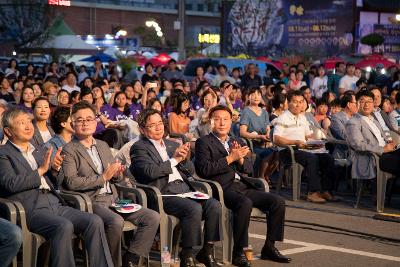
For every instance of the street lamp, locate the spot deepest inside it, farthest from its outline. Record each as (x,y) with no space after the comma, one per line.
(398,17)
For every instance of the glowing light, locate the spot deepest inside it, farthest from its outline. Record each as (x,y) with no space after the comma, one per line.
(368,69)
(398,17)
(89,37)
(150,23)
(14,53)
(109,37)
(383,71)
(160,34)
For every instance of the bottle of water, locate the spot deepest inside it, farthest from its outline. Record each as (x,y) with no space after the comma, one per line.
(165,257)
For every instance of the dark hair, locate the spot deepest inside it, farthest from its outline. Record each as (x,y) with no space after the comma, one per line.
(83,105)
(338,64)
(384,98)
(254,89)
(335,103)
(349,64)
(321,101)
(277,100)
(148,64)
(152,101)
(294,93)
(346,98)
(145,114)
(180,98)
(23,91)
(61,114)
(16,63)
(361,81)
(223,83)
(303,88)
(39,99)
(171,61)
(397,98)
(63,91)
(195,70)
(217,108)
(73,95)
(126,111)
(209,91)
(277,89)
(375,87)
(85,92)
(222,66)
(364,92)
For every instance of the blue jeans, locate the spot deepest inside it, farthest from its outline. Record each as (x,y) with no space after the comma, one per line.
(261,153)
(10,241)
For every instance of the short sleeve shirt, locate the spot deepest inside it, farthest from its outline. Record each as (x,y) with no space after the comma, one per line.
(292,127)
(254,122)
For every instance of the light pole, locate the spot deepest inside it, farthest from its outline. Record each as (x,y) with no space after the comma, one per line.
(181,34)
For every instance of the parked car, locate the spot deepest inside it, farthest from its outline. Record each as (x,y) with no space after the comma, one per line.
(230,63)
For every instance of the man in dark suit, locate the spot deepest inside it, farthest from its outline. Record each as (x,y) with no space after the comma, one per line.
(222,159)
(164,164)
(90,167)
(24,174)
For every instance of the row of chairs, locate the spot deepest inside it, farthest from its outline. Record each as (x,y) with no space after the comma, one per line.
(147,196)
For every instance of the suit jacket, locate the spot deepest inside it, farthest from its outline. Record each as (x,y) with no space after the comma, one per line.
(338,130)
(37,139)
(80,173)
(19,182)
(362,142)
(386,119)
(149,168)
(211,164)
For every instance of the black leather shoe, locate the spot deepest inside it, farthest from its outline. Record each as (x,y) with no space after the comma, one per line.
(239,259)
(130,259)
(187,262)
(207,259)
(273,254)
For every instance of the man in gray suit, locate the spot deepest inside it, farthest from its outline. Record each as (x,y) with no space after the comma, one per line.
(365,134)
(379,114)
(90,167)
(166,165)
(338,121)
(24,177)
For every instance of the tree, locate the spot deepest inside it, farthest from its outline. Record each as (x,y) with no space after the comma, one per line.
(148,36)
(24,21)
(373,40)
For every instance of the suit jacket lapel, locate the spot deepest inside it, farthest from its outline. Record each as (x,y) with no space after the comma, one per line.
(82,151)
(217,144)
(153,150)
(19,156)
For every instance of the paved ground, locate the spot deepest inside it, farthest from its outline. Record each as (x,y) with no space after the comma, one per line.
(334,235)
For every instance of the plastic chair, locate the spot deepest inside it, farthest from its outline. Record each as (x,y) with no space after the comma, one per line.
(227,216)
(381,182)
(9,212)
(31,241)
(290,170)
(169,233)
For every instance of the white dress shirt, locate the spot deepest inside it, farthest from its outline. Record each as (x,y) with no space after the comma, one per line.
(162,151)
(292,127)
(227,148)
(94,155)
(28,155)
(375,130)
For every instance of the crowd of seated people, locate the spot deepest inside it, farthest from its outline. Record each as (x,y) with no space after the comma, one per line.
(68,130)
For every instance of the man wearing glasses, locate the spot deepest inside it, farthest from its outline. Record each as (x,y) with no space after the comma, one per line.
(164,164)
(24,177)
(349,107)
(89,167)
(365,134)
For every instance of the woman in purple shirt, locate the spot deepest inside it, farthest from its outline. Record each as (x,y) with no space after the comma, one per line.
(121,108)
(27,98)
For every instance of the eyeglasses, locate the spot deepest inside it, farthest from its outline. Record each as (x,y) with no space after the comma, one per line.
(366,102)
(84,121)
(155,125)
